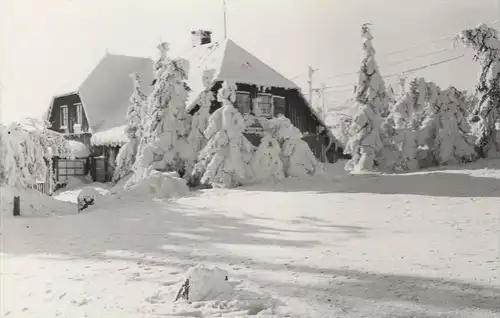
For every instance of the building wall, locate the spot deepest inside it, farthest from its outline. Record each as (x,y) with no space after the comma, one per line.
(296,109)
(55,116)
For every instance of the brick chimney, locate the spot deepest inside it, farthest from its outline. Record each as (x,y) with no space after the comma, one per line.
(201,37)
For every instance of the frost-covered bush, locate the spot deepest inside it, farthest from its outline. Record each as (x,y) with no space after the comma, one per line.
(26,153)
(296,155)
(486,45)
(266,162)
(224,161)
(127,154)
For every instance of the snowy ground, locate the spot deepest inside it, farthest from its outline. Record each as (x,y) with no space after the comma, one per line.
(420,245)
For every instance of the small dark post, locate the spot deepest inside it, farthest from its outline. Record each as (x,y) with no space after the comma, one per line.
(17,206)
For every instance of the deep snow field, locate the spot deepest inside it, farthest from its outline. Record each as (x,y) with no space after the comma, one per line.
(424,244)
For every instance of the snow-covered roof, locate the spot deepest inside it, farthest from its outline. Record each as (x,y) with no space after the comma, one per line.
(106,91)
(229,62)
(112,137)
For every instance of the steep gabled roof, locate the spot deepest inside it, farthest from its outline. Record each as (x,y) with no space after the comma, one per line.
(106,91)
(229,62)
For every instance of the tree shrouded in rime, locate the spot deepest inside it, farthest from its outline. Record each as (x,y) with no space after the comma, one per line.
(163,146)
(365,140)
(127,154)
(224,161)
(486,45)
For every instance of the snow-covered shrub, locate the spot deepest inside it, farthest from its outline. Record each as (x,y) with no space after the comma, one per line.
(266,162)
(126,156)
(224,160)
(26,153)
(298,159)
(200,118)
(165,145)
(486,44)
(365,140)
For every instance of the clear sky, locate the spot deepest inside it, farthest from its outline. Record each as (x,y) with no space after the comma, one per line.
(48,47)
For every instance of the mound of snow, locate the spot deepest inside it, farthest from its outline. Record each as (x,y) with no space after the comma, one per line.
(205,283)
(33,203)
(207,292)
(163,185)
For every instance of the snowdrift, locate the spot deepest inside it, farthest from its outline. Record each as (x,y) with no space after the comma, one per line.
(208,292)
(33,203)
(157,184)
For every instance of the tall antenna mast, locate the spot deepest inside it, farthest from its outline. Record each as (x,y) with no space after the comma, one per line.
(225,21)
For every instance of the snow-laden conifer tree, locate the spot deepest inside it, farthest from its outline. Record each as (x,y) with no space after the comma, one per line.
(454,143)
(370,89)
(160,148)
(127,154)
(486,44)
(224,161)
(200,118)
(365,141)
(296,155)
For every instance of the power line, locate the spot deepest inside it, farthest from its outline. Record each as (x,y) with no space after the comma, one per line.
(350,86)
(425,66)
(451,37)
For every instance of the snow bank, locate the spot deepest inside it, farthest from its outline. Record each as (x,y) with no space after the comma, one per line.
(207,292)
(163,185)
(112,137)
(33,203)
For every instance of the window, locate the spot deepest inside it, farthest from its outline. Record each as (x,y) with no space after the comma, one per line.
(64,116)
(265,105)
(243,102)
(79,113)
(279,104)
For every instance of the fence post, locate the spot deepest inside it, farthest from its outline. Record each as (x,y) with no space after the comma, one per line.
(17,206)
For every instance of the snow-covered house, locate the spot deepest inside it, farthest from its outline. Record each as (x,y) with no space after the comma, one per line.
(95,113)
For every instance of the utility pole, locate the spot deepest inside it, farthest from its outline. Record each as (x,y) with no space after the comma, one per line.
(323,103)
(225,21)
(310,82)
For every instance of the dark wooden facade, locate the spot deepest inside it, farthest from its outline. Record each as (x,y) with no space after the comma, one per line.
(70,101)
(296,109)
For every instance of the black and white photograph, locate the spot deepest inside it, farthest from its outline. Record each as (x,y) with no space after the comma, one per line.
(250,158)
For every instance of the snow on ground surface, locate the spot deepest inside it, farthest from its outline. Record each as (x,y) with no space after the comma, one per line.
(33,204)
(424,244)
(75,185)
